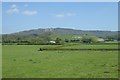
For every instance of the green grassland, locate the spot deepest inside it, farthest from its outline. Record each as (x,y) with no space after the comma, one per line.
(0,61)
(88,46)
(25,61)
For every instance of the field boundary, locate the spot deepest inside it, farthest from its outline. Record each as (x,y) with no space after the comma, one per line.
(41,49)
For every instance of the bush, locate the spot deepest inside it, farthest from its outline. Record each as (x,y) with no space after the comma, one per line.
(89,39)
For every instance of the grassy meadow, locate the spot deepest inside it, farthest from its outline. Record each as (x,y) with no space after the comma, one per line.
(25,61)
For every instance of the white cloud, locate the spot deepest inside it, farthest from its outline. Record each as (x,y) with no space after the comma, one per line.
(65,15)
(60,15)
(12,11)
(14,6)
(27,12)
(70,14)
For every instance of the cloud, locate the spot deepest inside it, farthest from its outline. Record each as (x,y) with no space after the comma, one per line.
(60,15)
(70,14)
(13,10)
(65,15)
(14,6)
(27,12)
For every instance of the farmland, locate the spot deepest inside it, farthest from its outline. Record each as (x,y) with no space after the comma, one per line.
(57,39)
(25,61)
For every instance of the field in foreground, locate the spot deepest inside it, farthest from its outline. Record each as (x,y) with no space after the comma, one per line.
(25,61)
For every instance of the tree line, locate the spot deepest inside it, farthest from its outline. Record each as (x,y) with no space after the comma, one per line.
(46,38)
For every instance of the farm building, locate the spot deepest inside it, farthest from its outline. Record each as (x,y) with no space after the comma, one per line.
(52,42)
(100,40)
(77,37)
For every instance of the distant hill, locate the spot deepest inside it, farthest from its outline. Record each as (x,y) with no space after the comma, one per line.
(57,32)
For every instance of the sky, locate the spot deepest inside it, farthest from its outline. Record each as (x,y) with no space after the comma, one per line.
(60,0)
(20,16)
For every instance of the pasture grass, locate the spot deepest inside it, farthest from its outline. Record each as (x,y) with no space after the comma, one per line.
(25,61)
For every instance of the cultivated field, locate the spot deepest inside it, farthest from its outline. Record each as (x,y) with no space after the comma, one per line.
(25,61)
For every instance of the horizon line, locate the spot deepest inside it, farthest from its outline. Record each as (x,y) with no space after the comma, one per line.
(63,28)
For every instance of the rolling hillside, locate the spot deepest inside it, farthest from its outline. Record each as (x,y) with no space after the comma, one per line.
(56,32)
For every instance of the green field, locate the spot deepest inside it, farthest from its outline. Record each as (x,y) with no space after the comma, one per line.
(25,61)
